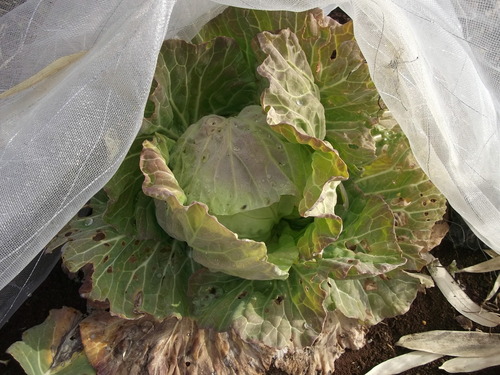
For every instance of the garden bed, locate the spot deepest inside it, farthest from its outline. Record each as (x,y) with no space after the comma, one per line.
(430,311)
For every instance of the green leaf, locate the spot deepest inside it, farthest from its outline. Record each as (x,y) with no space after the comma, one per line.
(367,246)
(128,209)
(277,313)
(327,171)
(292,96)
(318,235)
(53,347)
(136,276)
(192,81)
(416,203)
(214,246)
(346,88)
(347,92)
(244,24)
(372,299)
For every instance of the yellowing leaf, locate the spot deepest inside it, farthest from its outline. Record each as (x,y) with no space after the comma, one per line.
(53,347)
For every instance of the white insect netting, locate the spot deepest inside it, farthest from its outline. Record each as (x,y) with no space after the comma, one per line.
(75,75)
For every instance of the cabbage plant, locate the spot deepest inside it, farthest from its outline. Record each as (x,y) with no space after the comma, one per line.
(269,203)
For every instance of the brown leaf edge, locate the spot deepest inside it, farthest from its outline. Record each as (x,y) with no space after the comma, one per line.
(173,347)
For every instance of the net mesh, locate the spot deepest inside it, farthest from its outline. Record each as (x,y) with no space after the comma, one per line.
(88,67)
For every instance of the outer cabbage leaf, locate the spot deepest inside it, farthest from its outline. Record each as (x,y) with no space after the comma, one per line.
(128,209)
(214,246)
(367,246)
(118,346)
(372,299)
(136,276)
(244,24)
(192,81)
(276,313)
(347,93)
(292,96)
(416,203)
(147,346)
(53,347)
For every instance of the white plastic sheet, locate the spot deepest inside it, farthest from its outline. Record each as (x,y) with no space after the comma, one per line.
(436,65)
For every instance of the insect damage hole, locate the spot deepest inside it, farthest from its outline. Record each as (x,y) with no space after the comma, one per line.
(279,299)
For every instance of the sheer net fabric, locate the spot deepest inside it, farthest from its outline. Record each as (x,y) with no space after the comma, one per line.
(87,67)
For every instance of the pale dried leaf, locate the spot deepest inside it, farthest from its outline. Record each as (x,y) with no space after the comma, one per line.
(460,365)
(494,290)
(491,253)
(490,265)
(454,343)
(424,279)
(403,362)
(145,346)
(458,299)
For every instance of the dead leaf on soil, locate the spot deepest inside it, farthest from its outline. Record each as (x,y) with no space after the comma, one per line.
(403,362)
(458,299)
(117,346)
(453,343)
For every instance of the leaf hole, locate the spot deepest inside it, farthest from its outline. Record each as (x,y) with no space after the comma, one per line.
(242,295)
(279,299)
(244,207)
(188,364)
(334,54)
(85,211)
(99,236)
